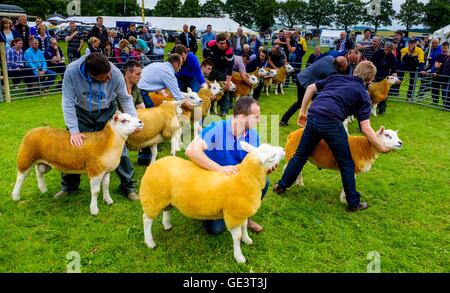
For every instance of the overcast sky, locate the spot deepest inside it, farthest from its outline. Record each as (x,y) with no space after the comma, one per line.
(396,4)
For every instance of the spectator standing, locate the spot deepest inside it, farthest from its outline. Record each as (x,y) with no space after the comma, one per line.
(7,33)
(412,60)
(34,30)
(99,31)
(24,31)
(158,46)
(132,32)
(255,43)
(94,46)
(207,36)
(277,57)
(369,51)
(439,80)
(148,39)
(366,41)
(193,39)
(187,39)
(344,43)
(238,41)
(75,42)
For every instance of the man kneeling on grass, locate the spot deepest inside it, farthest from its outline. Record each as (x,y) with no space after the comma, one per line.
(218,149)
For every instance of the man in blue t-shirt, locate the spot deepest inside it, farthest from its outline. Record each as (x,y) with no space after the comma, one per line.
(339,96)
(218,149)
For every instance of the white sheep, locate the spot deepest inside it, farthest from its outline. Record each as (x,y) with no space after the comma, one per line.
(48,148)
(204,194)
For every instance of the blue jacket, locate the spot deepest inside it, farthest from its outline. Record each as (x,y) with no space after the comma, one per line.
(3,36)
(435,52)
(35,60)
(191,68)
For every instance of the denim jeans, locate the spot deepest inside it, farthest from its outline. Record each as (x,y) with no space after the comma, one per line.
(296,105)
(146,153)
(185,82)
(335,136)
(215,227)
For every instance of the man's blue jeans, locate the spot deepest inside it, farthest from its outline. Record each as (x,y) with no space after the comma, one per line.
(146,153)
(215,227)
(185,82)
(335,136)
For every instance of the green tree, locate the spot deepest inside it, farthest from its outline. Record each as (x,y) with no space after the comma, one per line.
(190,8)
(241,11)
(320,12)
(387,13)
(265,13)
(292,12)
(437,14)
(213,8)
(349,13)
(411,13)
(40,8)
(167,8)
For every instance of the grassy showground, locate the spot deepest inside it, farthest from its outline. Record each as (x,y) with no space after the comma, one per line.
(306,230)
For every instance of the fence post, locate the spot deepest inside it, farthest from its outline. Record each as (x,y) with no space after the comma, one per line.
(415,74)
(5,72)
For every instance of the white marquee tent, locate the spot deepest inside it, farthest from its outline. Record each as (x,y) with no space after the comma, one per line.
(169,23)
(443,33)
(328,37)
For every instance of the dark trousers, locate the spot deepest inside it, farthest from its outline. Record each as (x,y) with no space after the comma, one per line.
(224,103)
(297,105)
(215,227)
(92,122)
(146,153)
(335,136)
(185,82)
(438,85)
(257,91)
(25,74)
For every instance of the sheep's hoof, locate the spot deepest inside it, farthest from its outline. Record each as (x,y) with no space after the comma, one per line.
(94,211)
(343,198)
(15,197)
(240,258)
(109,201)
(167,227)
(247,241)
(150,244)
(43,189)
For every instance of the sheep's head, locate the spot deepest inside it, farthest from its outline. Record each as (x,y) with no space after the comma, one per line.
(192,98)
(215,88)
(253,79)
(232,86)
(262,72)
(272,73)
(389,138)
(268,155)
(392,80)
(124,124)
(289,68)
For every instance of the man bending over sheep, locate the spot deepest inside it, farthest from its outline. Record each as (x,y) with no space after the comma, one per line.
(339,96)
(91,86)
(218,149)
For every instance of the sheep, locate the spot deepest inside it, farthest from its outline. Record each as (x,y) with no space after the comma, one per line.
(363,153)
(46,148)
(378,91)
(204,194)
(231,88)
(282,74)
(162,122)
(268,79)
(242,88)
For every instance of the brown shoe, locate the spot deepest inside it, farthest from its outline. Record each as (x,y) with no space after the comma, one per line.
(133,196)
(255,227)
(278,189)
(362,206)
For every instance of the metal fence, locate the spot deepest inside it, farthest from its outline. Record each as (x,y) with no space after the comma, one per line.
(425,90)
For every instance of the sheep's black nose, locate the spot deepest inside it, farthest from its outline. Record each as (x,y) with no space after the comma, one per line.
(400,143)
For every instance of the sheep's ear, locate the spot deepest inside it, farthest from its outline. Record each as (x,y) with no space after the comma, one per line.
(381,130)
(246,146)
(396,131)
(116,116)
(189,90)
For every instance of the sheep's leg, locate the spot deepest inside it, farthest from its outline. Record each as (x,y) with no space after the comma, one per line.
(345,124)
(299,180)
(95,189)
(197,128)
(41,169)
(276,89)
(281,88)
(236,233)
(343,196)
(105,185)
(175,142)
(245,238)
(374,109)
(19,181)
(154,149)
(166,221)
(148,231)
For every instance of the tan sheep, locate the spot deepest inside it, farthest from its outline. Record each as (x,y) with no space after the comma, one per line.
(282,74)
(48,148)
(202,194)
(378,91)
(363,153)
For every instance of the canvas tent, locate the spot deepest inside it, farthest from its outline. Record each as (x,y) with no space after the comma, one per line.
(329,37)
(169,23)
(443,33)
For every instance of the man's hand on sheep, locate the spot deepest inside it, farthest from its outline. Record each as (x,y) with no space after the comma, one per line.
(76,139)
(273,169)
(187,106)
(229,170)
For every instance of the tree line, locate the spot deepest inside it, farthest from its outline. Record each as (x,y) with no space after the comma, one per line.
(262,13)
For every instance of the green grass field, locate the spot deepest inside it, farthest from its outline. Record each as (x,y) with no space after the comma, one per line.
(307,230)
